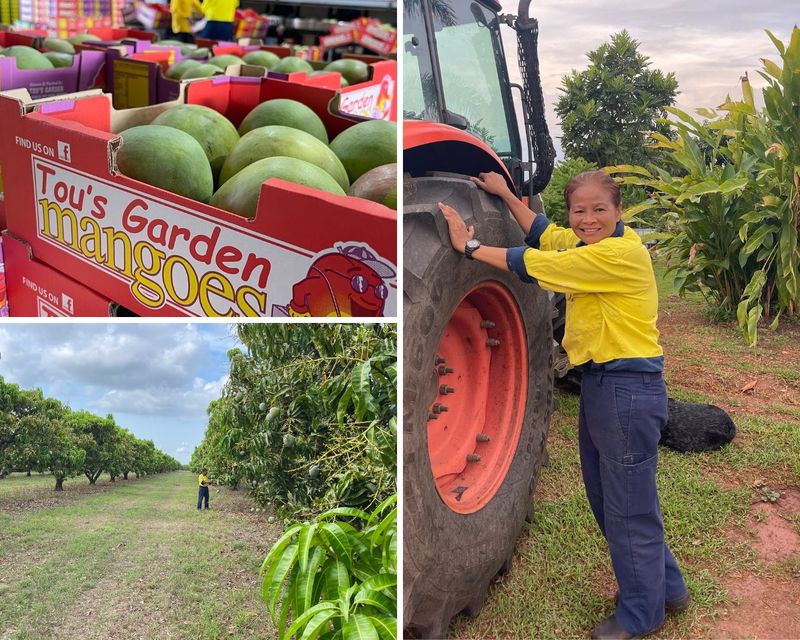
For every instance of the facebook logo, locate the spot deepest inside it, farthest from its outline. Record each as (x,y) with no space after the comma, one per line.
(64,152)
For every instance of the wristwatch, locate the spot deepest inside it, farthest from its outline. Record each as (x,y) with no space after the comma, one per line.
(470,247)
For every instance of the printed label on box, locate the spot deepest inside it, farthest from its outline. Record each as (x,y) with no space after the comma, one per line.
(198,264)
(374,101)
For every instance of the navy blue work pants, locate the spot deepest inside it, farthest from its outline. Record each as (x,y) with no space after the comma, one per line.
(621,417)
(217,30)
(202,496)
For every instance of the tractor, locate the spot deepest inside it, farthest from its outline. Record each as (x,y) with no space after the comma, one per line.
(478,343)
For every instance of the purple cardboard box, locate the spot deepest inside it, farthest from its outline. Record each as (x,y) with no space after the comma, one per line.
(83,74)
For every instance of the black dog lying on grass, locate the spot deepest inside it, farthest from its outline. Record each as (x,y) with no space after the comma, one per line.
(696,427)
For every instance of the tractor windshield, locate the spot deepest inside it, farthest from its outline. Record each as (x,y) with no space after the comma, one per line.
(457,69)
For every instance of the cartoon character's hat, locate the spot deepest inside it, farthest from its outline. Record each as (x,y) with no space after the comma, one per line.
(362,254)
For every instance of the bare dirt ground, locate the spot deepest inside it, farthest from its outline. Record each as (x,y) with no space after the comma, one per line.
(763,382)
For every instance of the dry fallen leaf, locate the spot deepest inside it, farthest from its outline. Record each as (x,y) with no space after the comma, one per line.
(750,386)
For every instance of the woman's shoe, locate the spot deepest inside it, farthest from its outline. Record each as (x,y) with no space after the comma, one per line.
(610,629)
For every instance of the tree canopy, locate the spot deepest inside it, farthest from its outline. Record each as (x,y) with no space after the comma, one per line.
(42,434)
(607,110)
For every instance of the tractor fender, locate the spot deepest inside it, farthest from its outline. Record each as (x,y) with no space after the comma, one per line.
(435,147)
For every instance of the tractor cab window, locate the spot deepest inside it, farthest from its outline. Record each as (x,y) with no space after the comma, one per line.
(471,68)
(420,98)
(471,63)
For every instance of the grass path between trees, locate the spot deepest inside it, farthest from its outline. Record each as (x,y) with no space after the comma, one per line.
(130,560)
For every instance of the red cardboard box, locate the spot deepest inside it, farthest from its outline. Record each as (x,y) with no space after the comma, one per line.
(119,34)
(305,252)
(37,290)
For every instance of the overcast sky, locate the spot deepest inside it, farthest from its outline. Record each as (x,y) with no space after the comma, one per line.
(156,379)
(708,44)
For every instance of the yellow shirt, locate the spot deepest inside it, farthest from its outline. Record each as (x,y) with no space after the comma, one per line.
(220,10)
(203,480)
(612,299)
(181,11)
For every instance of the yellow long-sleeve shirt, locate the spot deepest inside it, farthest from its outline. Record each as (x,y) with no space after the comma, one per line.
(203,480)
(181,11)
(221,10)
(612,299)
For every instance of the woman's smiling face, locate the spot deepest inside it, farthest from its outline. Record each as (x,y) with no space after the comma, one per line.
(593,216)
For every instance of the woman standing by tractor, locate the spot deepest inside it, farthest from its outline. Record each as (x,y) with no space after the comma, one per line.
(612,304)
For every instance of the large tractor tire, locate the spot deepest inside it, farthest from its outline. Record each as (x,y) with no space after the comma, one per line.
(477,389)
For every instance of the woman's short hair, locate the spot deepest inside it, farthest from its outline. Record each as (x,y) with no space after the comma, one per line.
(599,176)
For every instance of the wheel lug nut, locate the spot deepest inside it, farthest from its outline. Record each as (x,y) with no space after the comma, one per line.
(444,389)
(487,324)
(439,408)
(439,360)
(482,437)
(433,416)
(492,342)
(443,371)
(473,457)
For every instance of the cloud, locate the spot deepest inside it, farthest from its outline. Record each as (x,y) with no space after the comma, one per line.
(708,45)
(156,378)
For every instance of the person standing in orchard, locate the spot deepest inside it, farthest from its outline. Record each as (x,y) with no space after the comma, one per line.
(202,493)
(612,304)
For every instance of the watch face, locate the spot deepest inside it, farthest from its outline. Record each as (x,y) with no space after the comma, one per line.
(473,244)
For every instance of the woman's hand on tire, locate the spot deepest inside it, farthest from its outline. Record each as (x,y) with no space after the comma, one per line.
(459,232)
(494,183)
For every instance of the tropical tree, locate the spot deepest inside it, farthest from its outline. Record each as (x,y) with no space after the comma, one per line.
(607,109)
(307,418)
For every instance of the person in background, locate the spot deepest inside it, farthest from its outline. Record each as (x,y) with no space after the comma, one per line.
(182,11)
(205,482)
(610,333)
(220,14)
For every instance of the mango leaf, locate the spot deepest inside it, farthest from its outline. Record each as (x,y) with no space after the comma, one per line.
(343,407)
(304,540)
(305,617)
(386,626)
(319,623)
(389,521)
(307,579)
(337,540)
(362,394)
(344,601)
(336,579)
(360,627)
(280,545)
(276,580)
(376,599)
(380,581)
(347,512)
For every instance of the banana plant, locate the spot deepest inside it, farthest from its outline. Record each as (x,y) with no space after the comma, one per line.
(335,578)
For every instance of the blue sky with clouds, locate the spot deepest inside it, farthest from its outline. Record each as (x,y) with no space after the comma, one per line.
(156,379)
(709,44)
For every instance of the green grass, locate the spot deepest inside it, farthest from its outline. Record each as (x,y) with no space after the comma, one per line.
(138,557)
(561,582)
